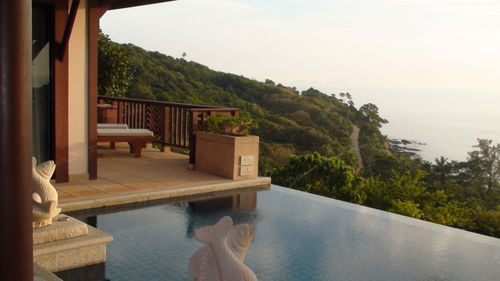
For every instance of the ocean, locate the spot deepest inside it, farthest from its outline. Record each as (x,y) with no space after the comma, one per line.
(448,123)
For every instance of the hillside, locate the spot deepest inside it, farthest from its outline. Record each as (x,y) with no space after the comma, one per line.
(289,122)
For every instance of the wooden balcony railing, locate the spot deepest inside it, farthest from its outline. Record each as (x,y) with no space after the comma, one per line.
(173,124)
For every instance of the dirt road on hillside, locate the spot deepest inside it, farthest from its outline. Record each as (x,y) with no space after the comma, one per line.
(355,145)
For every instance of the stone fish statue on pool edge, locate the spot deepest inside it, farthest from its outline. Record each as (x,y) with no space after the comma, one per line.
(45,197)
(222,258)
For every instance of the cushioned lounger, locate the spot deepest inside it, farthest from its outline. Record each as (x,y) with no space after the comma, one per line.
(137,138)
(111,126)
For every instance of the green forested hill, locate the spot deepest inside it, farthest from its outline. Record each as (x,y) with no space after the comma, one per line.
(288,121)
(306,140)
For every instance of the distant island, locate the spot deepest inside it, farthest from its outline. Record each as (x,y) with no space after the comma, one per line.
(321,143)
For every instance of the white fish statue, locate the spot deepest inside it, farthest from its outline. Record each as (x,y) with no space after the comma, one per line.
(222,258)
(45,197)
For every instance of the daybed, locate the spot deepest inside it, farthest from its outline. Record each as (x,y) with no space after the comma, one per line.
(136,138)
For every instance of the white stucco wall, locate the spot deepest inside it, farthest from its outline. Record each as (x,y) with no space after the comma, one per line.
(78,93)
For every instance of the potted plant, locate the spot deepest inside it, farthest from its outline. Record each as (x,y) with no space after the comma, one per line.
(225,148)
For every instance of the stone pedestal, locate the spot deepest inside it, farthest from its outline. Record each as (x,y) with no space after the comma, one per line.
(62,227)
(69,243)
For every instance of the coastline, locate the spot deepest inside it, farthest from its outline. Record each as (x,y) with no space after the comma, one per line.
(412,147)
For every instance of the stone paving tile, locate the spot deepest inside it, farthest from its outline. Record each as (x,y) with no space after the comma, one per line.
(65,196)
(144,185)
(74,188)
(86,193)
(109,186)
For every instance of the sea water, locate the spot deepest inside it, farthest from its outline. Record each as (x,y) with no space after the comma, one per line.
(449,123)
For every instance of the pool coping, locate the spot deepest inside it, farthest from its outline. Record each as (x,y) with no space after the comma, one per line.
(169,192)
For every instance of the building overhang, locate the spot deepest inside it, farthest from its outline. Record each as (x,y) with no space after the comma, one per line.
(115,4)
(120,4)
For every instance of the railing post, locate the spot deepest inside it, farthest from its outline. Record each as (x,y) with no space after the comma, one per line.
(166,127)
(119,112)
(192,137)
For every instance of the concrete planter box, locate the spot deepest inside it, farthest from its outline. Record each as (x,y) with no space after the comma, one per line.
(227,156)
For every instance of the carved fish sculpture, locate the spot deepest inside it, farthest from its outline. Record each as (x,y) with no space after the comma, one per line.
(222,258)
(45,197)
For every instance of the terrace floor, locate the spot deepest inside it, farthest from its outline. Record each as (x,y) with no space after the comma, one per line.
(124,179)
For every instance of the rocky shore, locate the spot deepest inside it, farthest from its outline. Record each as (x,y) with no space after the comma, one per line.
(411,147)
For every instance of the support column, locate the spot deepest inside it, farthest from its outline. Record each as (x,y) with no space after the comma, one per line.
(61,95)
(93,16)
(16,240)
(96,11)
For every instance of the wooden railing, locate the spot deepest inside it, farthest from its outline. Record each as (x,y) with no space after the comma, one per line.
(173,124)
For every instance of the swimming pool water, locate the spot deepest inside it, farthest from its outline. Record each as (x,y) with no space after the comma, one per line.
(298,236)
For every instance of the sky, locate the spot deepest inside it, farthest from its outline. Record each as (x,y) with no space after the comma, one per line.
(441,45)
(389,52)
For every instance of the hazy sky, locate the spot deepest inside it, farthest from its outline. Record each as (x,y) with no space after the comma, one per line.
(449,45)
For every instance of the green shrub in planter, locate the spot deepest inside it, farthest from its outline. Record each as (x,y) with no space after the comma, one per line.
(229,125)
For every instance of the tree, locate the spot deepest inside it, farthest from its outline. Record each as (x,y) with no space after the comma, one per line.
(406,208)
(269,82)
(369,112)
(488,222)
(486,161)
(442,169)
(314,173)
(114,68)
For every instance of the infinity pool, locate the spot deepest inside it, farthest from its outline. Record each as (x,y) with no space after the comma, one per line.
(298,236)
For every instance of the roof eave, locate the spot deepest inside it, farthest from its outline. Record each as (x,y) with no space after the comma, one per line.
(120,4)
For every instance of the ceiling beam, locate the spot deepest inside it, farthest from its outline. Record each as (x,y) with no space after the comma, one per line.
(70,22)
(103,6)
